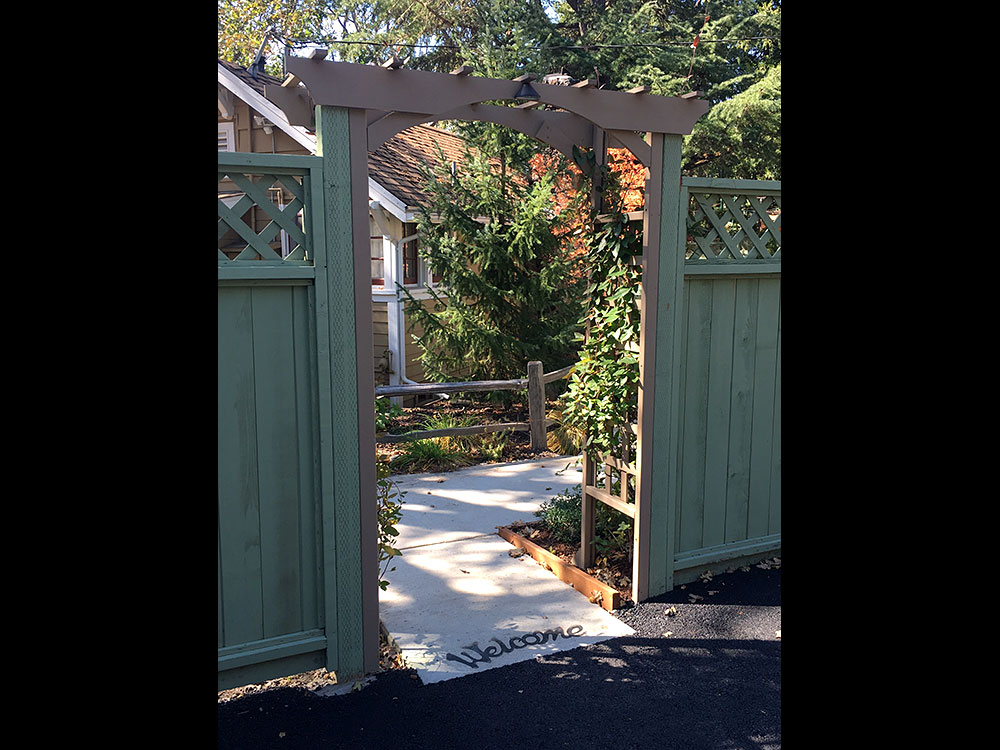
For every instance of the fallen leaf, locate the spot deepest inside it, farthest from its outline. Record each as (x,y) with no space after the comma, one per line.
(672,612)
(712,593)
(668,634)
(516,552)
(464,571)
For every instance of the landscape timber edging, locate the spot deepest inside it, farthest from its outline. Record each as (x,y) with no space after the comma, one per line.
(586,584)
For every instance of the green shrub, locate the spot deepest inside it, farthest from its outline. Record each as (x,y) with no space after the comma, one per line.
(561,517)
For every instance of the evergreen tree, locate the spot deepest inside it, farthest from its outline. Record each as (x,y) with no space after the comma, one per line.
(498,246)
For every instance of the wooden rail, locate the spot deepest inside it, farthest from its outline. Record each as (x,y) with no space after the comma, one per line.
(537,423)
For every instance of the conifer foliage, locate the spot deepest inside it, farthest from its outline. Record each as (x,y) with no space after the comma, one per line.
(507,294)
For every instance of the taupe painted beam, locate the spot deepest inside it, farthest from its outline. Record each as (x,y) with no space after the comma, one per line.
(371,87)
(561,130)
(295,102)
(633,142)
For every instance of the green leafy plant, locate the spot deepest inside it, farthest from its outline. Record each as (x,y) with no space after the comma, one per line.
(561,516)
(389,513)
(602,397)
(386,414)
(491,445)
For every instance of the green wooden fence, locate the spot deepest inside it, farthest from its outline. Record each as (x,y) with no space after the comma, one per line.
(720,485)
(296,560)
(288,489)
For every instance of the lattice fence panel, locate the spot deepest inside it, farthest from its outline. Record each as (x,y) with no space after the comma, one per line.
(265,220)
(733,226)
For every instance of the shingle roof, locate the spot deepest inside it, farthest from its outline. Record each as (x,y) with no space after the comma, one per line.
(244,75)
(395,165)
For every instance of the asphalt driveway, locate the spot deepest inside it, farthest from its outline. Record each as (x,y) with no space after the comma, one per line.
(698,673)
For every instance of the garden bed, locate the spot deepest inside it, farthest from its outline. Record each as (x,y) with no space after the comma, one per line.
(613,572)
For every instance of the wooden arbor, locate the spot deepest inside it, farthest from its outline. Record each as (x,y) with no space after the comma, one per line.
(355,108)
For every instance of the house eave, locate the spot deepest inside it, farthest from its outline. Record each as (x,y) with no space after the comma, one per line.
(299,134)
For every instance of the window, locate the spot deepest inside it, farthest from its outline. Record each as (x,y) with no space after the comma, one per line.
(227,136)
(410,255)
(378,258)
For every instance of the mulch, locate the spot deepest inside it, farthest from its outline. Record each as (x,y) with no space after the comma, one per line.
(517,447)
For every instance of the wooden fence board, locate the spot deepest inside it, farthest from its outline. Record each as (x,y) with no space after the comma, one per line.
(694,434)
(222,630)
(741,409)
(762,444)
(774,511)
(310,521)
(718,411)
(277,447)
(239,502)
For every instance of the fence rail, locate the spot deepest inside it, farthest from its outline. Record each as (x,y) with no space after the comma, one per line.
(534,383)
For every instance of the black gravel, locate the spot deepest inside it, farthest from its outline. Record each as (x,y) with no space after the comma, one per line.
(713,683)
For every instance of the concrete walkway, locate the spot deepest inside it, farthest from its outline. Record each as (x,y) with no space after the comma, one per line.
(458,603)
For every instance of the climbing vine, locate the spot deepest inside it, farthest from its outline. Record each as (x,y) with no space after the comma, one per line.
(602,396)
(390,511)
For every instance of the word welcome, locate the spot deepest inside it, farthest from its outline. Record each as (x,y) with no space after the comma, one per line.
(518,641)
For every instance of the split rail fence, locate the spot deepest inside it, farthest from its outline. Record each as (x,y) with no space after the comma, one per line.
(534,383)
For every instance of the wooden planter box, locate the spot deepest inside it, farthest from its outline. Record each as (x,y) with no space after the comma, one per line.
(596,591)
